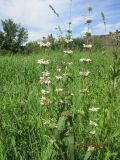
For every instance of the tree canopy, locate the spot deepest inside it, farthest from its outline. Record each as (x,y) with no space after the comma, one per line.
(12,36)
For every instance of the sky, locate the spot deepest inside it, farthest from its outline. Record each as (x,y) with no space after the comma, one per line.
(37,17)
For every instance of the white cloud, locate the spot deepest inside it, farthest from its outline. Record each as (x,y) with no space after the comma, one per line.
(40,21)
(36,35)
(77,20)
(102,27)
(34,14)
(85,29)
(117,25)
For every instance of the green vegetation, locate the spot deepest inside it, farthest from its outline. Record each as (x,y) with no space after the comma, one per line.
(12,36)
(30,130)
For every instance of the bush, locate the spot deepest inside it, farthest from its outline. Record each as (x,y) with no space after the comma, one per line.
(4,52)
(98,43)
(31,47)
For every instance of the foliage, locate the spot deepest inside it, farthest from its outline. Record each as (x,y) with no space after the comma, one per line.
(31,47)
(78,43)
(28,130)
(51,39)
(98,43)
(13,36)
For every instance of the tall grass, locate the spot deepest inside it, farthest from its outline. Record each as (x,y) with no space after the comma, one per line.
(25,125)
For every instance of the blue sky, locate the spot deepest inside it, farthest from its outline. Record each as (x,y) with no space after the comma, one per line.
(36,16)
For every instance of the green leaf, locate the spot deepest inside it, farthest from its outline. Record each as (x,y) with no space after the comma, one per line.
(69,142)
(88,154)
(61,124)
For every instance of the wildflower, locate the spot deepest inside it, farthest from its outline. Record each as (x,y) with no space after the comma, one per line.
(61,101)
(52,141)
(45,74)
(87,45)
(89,19)
(85,60)
(81,112)
(40,61)
(45,80)
(59,90)
(59,69)
(91,148)
(68,40)
(68,51)
(44,101)
(93,109)
(46,122)
(92,132)
(45,44)
(43,91)
(69,30)
(71,94)
(43,62)
(92,123)
(84,90)
(85,74)
(69,63)
(58,77)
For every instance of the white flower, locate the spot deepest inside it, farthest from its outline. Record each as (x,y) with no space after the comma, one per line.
(46,122)
(48,44)
(45,74)
(85,60)
(85,74)
(41,78)
(59,90)
(84,90)
(68,51)
(44,101)
(69,30)
(89,19)
(87,45)
(45,44)
(58,77)
(92,132)
(92,123)
(43,62)
(52,141)
(40,61)
(68,40)
(93,109)
(71,94)
(69,63)
(45,80)
(59,69)
(91,148)
(43,91)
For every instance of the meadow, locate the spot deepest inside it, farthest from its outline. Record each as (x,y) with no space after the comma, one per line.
(79,120)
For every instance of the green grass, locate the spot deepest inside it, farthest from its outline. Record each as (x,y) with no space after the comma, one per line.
(23,133)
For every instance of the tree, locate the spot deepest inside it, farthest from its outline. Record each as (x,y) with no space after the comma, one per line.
(13,36)
(51,39)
